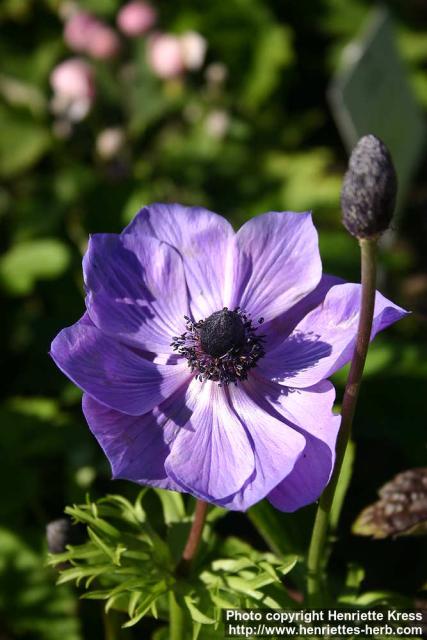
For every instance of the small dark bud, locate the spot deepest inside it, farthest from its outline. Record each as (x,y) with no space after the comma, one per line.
(222,331)
(368,194)
(58,534)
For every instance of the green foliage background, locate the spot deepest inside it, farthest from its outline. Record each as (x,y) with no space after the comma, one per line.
(280,151)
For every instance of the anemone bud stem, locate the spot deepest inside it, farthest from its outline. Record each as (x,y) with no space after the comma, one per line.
(316,554)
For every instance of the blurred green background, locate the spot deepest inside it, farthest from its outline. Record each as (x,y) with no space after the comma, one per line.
(243,127)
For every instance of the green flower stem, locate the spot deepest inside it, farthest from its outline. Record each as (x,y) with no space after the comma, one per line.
(317,554)
(176,619)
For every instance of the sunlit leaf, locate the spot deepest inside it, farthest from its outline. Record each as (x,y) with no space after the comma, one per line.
(22,142)
(27,262)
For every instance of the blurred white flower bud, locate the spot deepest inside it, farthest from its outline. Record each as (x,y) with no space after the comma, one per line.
(217,123)
(194,50)
(216,73)
(110,142)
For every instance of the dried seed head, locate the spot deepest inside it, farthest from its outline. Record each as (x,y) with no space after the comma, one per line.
(401,509)
(368,194)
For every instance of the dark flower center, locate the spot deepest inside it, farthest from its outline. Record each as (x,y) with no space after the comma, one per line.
(223,347)
(222,331)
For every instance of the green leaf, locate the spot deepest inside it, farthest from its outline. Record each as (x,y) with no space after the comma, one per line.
(377,598)
(23,141)
(277,529)
(273,53)
(78,573)
(216,513)
(355,576)
(221,601)
(288,565)
(196,614)
(32,260)
(197,627)
(146,604)
(232,566)
(83,515)
(173,505)
(242,586)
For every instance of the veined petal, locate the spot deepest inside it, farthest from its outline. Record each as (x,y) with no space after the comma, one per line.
(212,456)
(136,290)
(137,446)
(113,373)
(309,411)
(324,340)
(205,242)
(277,329)
(278,263)
(277,447)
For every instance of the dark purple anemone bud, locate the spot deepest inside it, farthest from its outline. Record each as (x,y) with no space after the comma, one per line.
(368,194)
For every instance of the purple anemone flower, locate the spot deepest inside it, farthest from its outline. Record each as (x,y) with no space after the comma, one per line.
(204,354)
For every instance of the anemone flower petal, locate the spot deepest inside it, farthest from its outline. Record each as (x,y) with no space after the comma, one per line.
(136,290)
(276,446)
(277,329)
(278,263)
(113,373)
(137,446)
(205,242)
(212,456)
(324,340)
(308,411)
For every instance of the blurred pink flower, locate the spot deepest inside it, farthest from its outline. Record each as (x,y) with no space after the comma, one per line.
(77,30)
(73,77)
(193,49)
(104,42)
(135,18)
(73,85)
(170,55)
(84,32)
(165,55)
